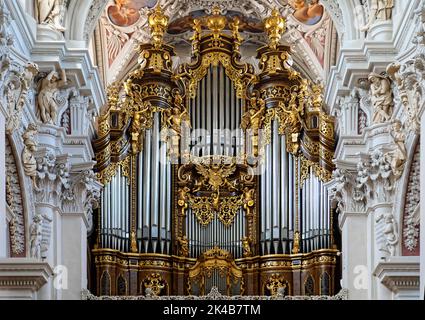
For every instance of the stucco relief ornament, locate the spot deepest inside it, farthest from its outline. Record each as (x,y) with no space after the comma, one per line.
(382,98)
(390,232)
(50,12)
(340,178)
(16,95)
(380,10)
(48,97)
(29,161)
(362,189)
(409,78)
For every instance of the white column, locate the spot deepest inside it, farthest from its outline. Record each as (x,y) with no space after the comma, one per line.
(355,271)
(74,255)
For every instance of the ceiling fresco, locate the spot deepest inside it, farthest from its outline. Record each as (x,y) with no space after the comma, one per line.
(125,13)
(123,25)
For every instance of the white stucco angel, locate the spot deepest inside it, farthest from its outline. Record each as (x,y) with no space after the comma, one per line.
(47,97)
(49,12)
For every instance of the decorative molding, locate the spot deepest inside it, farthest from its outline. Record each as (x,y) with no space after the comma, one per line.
(14,200)
(20,273)
(216,295)
(399,274)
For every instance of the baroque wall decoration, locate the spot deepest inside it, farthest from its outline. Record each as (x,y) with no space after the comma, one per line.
(17,226)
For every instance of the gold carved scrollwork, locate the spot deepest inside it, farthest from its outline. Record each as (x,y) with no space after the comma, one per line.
(202,209)
(229,207)
(226,207)
(274,283)
(109,172)
(142,120)
(155,283)
(214,59)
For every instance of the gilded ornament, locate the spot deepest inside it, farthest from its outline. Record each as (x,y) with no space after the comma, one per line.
(275,27)
(155,283)
(158,23)
(275,283)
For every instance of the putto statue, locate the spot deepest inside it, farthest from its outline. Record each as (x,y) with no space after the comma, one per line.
(29,162)
(253,120)
(47,98)
(382,98)
(380,10)
(49,12)
(36,236)
(390,233)
(176,120)
(399,155)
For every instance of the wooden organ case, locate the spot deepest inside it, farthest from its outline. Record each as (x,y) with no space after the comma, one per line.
(215,176)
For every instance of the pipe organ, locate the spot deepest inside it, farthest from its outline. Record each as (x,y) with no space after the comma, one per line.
(215,176)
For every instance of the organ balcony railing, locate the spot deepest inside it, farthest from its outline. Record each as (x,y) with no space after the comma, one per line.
(214,156)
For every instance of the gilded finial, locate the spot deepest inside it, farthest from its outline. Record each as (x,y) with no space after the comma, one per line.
(216,22)
(275,26)
(158,23)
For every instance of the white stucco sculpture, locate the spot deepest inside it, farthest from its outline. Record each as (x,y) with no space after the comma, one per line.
(390,232)
(36,236)
(382,98)
(380,10)
(29,163)
(399,155)
(48,96)
(49,12)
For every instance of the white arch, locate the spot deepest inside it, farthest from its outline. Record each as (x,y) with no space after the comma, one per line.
(82,17)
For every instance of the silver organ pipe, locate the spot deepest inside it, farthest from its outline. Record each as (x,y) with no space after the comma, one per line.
(154,193)
(277,203)
(145,214)
(114,224)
